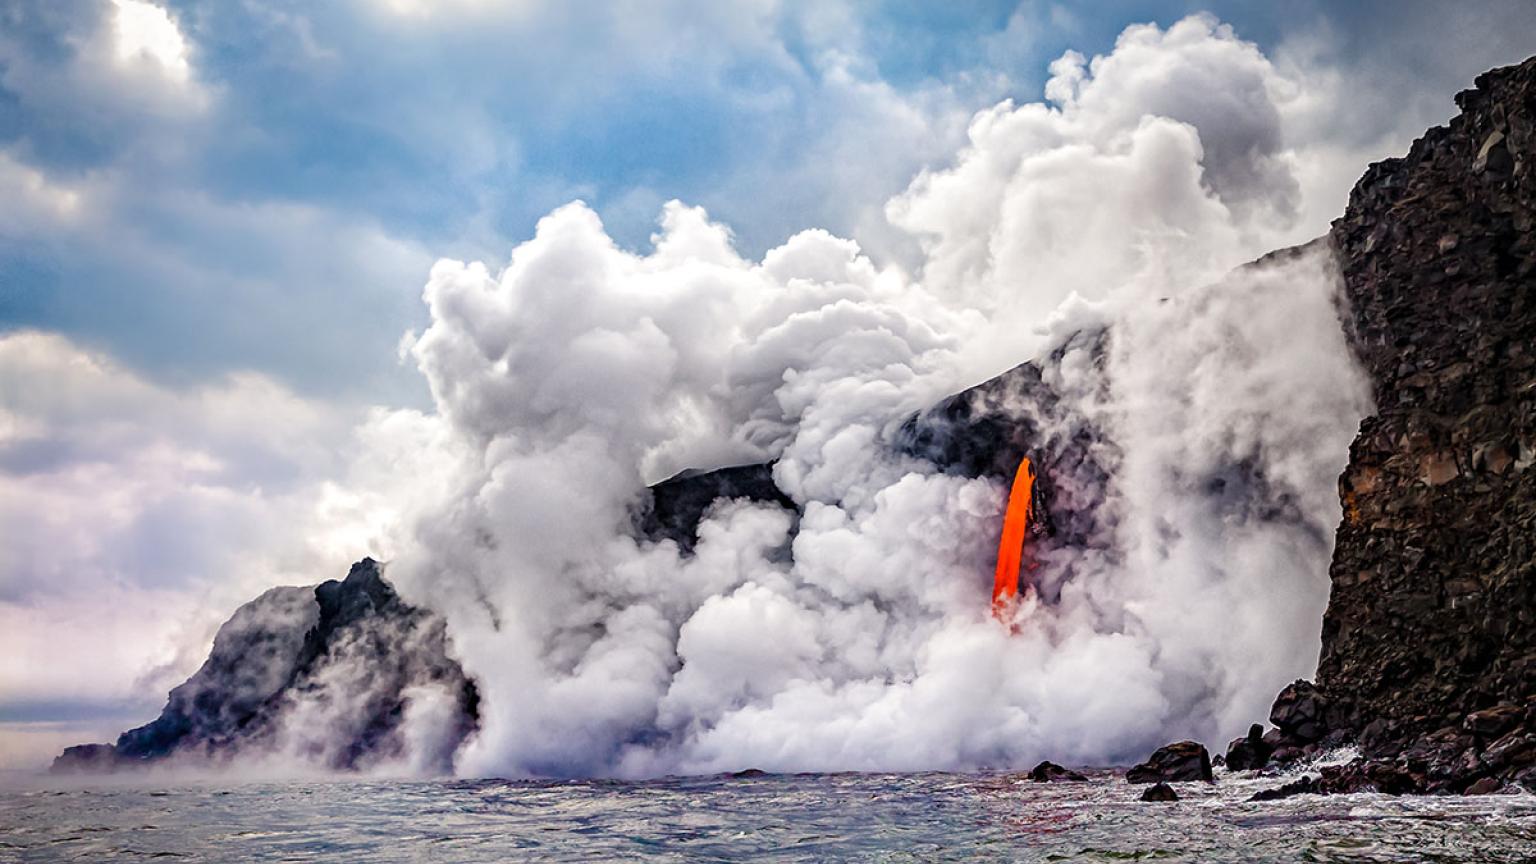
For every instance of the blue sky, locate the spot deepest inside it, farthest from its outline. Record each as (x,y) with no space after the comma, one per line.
(271,196)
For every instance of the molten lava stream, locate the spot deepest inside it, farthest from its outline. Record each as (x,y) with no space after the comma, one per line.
(1010,550)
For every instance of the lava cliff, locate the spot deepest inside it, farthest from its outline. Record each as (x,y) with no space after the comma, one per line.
(1429,643)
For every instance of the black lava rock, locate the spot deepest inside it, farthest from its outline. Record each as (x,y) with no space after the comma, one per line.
(1428,653)
(1246,754)
(1298,713)
(677,505)
(1159,792)
(1050,772)
(1304,786)
(1183,761)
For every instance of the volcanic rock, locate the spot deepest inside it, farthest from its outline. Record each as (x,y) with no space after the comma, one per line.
(985,430)
(1050,772)
(1429,641)
(1485,786)
(292,652)
(1298,713)
(1305,786)
(1184,761)
(1489,724)
(1245,754)
(1159,792)
(677,505)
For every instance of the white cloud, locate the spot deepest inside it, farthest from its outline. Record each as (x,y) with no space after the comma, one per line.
(144,32)
(36,201)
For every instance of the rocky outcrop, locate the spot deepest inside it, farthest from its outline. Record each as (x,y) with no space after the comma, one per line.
(675,506)
(983,431)
(332,676)
(1050,772)
(1429,642)
(1248,752)
(1159,792)
(1180,762)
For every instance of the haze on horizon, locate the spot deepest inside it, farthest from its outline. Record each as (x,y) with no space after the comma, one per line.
(214,350)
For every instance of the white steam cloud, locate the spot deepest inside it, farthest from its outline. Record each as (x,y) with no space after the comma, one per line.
(858,637)
(854,633)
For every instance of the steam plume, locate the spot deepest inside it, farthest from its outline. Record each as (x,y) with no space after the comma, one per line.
(858,637)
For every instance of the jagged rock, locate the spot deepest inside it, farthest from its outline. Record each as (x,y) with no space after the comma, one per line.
(1183,761)
(295,652)
(1298,713)
(1246,754)
(1429,659)
(983,431)
(1159,792)
(86,759)
(1050,772)
(1514,749)
(1305,786)
(677,505)
(1428,643)
(1493,722)
(1485,786)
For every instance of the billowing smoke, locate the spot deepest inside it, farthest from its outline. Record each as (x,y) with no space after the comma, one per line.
(856,634)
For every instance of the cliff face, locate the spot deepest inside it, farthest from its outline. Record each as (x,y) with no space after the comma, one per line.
(1433,609)
(1429,642)
(329,676)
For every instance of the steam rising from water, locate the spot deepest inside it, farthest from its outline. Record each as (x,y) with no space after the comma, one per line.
(860,638)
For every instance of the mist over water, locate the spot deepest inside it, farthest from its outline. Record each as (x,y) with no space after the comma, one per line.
(857,637)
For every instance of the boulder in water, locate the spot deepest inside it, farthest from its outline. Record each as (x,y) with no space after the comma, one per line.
(1246,754)
(1159,792)
(1183,761)
(1050,772)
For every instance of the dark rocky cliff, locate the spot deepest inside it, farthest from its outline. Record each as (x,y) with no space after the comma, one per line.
(350,656)
(1429,643)
(1433,612)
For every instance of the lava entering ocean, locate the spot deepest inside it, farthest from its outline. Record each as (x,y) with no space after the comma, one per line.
(1010,549)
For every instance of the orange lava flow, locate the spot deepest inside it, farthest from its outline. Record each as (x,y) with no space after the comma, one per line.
(1010,550)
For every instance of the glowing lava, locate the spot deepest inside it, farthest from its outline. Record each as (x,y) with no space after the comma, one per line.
(1010,550)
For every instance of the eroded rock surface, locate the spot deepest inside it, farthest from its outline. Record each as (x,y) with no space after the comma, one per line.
(1180,762)
(1429,643)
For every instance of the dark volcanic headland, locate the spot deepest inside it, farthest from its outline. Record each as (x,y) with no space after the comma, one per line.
(328,673)
(1429,641)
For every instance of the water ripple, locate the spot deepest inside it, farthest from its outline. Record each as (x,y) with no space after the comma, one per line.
(788,818)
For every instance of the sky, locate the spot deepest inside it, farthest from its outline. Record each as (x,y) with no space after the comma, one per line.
(219,218)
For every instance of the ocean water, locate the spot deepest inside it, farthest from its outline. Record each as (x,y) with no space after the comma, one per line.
(802,817)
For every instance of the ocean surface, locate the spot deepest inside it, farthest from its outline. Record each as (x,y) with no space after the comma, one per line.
(802,817)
